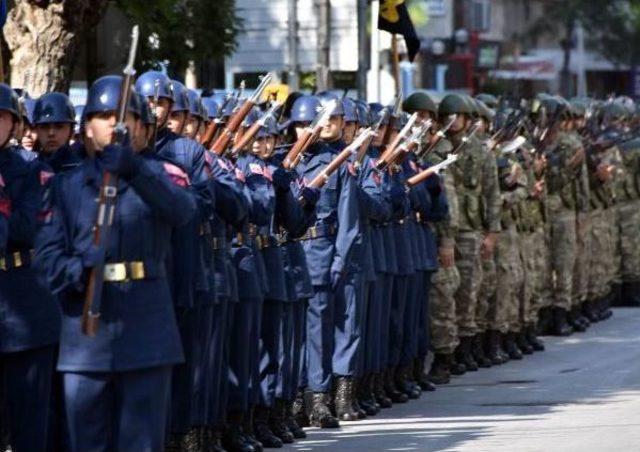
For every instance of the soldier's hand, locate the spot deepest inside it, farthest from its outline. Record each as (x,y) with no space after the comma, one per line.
(538,190)
(446,257)
(604,172)
(488,245)
(120,160)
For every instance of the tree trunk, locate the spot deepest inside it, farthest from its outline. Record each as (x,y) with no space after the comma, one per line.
(43,37)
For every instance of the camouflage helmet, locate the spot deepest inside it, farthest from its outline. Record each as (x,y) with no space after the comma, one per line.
(578,108)
(453,104)
(484,111)
(489,100)
(473,107)
(615,110)
(419,100)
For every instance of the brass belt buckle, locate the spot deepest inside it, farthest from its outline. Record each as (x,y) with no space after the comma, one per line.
(3,264)
(313,232)
(215,243)
(115,272)
(136,270)
(17,259)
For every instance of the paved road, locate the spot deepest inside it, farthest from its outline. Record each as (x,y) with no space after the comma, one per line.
(582,394)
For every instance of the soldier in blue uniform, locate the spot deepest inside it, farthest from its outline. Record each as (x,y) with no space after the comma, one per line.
(190,272)
(117,384)
(30,324)
(328,247)
(194,126)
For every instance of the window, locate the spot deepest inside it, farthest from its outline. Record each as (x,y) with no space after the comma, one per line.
(481,15)
(435,7)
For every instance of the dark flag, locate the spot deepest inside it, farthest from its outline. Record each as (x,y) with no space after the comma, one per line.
(395,18)
(3,12)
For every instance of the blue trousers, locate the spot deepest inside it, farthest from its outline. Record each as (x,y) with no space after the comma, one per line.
(364,288)
(299,348)
(271,341)
(244,373)
(320,338)
(396,319)
(385,319)
(183,374)
(26,389)
(415,297)
(424,331)
(285,338)
(348,326)
(215,372)
(372,334)
(123,411)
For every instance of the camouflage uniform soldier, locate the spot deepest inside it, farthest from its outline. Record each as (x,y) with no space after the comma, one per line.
(476,186)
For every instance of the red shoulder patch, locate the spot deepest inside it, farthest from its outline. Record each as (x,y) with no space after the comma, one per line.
(266,172)
(5,207)
(376,178)
(240,175)
(352,169)
(176,175)
(254,168)
(45,176)
(2,184)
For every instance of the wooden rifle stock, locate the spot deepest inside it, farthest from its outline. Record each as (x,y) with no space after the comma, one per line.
(232,126)
(420,177)
(301,144)
(209,133)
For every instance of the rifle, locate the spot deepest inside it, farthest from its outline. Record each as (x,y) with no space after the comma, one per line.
(385,158)
(107,202)
(374,132)
(232,126)
(409,145)
(427,173)
(308,136)
(395,114)
(511,126)
(338,160)
(440,134)
(513,145)
(467,137)
(154,128)
(253,130)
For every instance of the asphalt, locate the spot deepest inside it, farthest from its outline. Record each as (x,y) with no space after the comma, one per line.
(581,394)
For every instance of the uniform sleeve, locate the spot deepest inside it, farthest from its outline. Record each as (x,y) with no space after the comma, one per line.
(348,221)
(291,214)
(5,214)
(447,229)
(161,189)
(25,206)
(53,255)
(372,196)
(261,194)
(491,193)
(231,205)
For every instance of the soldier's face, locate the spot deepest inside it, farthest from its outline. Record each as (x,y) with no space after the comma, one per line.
(299,128)
(349,132)
(176,122)
(377,140)
(52,137)
(141,138)
(191,127)
(333,129)
(6,126)
(99,130)
(423,115)
(29,138)
(162,109)
(259,146)
(460,124)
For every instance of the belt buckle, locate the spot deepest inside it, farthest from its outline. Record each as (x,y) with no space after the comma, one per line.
(313,232)
(17,259)
(115,272)
(3,264)
(136,270)
(240,238)
(258,240)
(215,243)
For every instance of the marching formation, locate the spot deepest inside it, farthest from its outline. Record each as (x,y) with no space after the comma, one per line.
(217,273)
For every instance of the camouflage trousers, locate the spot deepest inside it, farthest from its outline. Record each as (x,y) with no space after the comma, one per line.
(628,222)
(470,268)
(442,310)
(504,315)
(486,294)
(542,283)
(529,278)
(562,224)
(583,256)
(601,258)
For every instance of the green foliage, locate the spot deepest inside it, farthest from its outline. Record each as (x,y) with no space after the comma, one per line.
(180,31)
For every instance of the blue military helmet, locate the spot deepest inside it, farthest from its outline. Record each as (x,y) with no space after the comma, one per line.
(146,85)
(402,121)
(145,110)
(350,110)
(254,115)
(180,96)
(376,111)
(305,109)
(211,107)
(228,107)
(9,101)
(54,108)
(364,113)
(195,105)
(29,105)
(104,94)
(326,97)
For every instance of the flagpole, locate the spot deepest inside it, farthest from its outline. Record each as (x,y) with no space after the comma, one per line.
(395,62)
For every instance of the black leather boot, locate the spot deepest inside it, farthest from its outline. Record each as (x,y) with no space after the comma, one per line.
(545,321)
(493,348)
(262,431)
(617,295)
(421,376)
(463,354)
(576,320)
(510,347)
(249,432)
(391,390)
(379,393)
(343,399)
(534,340)
(404,384)
(589,311)
(172,444)
(605,303)
(320,413)
(214,440)
(233,438)
(523,344)
(440,372)
(299,410)
(291,423)
(477,351)
(560,325)
(365,396)
(359,410)
(278,424)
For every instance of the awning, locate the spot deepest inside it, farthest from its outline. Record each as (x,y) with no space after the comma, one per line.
(526,68)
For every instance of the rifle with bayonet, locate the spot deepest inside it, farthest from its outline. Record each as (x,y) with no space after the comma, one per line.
(384,114)
(222,142)
(465,139)
(248,135)
(385,159)
(409,145)
(440,134)
(308,136)
(154,126)
(393,118)
(427,173)
(107,202)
